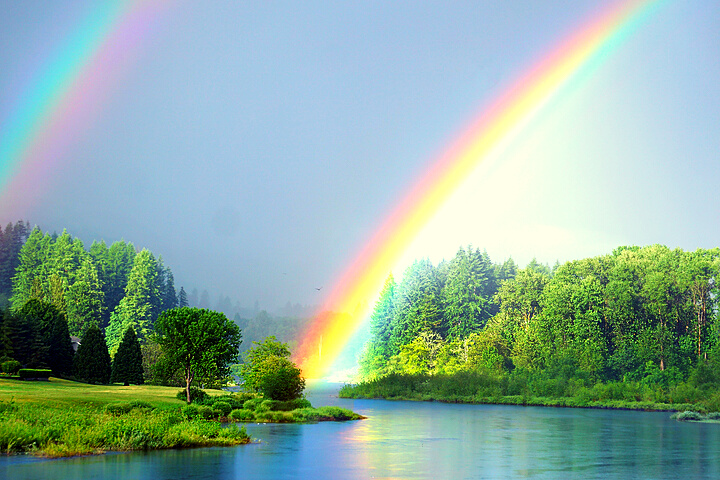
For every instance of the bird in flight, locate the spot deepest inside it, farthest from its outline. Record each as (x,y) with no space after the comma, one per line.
(318,288)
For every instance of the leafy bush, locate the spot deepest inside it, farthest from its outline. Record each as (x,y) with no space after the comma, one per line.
(206,412)
(242,415)
(42,373)
(687,416)
(252,404)
(713,416)
(266,406)
(223,409)
(10,367)
(322,413)
(196,395)
(190,411)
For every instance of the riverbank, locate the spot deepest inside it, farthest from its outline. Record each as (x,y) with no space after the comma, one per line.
(60,418)
(479,388)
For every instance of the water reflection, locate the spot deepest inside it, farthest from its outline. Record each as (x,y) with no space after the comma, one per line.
(427,441)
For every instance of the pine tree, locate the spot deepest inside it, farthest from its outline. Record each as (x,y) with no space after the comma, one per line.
(31,269)
(136,308)
(92,360)
(120,261)
(6,349)
(127,365)
(182,298)
(56,351)
(11,242)
(85,298)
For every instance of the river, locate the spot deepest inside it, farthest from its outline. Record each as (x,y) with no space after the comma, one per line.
(425,441)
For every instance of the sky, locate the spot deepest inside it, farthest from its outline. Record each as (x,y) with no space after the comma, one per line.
(257,146)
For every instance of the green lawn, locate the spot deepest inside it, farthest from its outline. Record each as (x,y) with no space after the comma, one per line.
(63,418)
(58,392)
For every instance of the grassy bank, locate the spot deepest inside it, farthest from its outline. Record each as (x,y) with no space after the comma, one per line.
(62,418)
(486,388)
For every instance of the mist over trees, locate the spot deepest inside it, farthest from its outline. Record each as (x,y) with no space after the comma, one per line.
(634,313)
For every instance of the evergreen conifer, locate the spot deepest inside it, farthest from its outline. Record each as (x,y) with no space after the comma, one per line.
(127,364)
(92,360)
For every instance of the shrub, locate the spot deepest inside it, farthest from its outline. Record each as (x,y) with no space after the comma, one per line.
(223,409)
(26,373)
(687,416)
(190,411)
(713,416)
(206,412)
(290,405)
(241,415)
(196,395)
(267,406)
(10,367)
(252,404)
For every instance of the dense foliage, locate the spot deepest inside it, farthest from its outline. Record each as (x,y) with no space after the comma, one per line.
(199,343)
(92,360)
(268,370)
(637,315)
(105,285)
(127,365)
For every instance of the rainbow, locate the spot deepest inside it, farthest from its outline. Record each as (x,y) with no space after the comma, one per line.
(346,309)
(68,90)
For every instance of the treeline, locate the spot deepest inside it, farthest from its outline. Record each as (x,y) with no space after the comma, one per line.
(637,313)
(112,286)
(286,329)
(12,238)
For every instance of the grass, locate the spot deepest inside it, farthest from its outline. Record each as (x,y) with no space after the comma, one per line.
(478,387)
(58,392)
(62,418)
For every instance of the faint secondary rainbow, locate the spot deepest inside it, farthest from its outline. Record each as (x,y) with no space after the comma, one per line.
(348,306)
(66,93)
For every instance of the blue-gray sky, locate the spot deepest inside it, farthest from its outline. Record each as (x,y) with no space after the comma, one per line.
(257,145)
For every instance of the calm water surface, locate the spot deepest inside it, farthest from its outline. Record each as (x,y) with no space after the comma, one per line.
(426,441)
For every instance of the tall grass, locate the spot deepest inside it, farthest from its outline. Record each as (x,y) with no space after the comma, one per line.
(66,432)
(62,418)
(538,388)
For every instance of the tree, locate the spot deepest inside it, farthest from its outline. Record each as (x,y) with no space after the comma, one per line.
(11,242)
(468,293)
(138,306)
(92,359)
(269,370)
(114,266)
(56,351)
(201,343)
(86,300)
(182,298)
(30,272)
(283,380)
(381,318)
(127,366)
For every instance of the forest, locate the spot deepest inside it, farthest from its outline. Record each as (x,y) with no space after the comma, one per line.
(645,316)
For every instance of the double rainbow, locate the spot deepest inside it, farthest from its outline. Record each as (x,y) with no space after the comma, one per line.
(68,90)
(348,306)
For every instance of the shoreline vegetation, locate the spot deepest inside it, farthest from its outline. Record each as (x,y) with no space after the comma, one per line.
(638,329)
(690,403)
(61,418)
